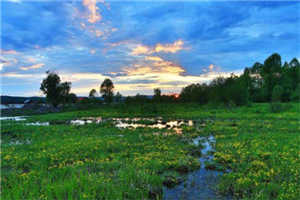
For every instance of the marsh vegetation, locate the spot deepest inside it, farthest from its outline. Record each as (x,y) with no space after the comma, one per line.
(255,154)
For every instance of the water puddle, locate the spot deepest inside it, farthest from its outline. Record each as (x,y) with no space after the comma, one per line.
(38,124)
(87,120)
(200,184)
(17,118)
(154,123)
(18,142)
(128,123)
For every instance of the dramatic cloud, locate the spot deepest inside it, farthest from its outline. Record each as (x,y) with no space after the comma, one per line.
(140,45)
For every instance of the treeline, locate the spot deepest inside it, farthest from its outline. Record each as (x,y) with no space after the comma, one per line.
(270,81)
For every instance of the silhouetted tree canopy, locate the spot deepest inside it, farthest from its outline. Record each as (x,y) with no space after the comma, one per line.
(106,89)
(55,91)
(92,93)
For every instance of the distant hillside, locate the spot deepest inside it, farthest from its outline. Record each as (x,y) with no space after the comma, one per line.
(19,100)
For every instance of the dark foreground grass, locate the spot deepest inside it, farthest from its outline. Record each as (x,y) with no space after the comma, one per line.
(102,162)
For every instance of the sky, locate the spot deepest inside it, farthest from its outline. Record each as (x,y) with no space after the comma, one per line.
(140,45)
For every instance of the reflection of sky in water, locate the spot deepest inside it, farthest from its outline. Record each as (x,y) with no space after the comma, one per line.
(130,123)
(17,118)
(201,183)
(2,106)
(175,125)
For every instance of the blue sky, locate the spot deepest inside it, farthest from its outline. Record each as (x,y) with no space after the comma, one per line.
(140,45)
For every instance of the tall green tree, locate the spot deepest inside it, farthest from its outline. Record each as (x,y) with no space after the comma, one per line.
(55,91)
(106,89)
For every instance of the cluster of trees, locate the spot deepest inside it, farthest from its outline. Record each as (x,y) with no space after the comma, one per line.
(57,92)
(107,91)
(270,81)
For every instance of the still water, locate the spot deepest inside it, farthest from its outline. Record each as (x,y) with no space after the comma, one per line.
(6,106)
(200,184)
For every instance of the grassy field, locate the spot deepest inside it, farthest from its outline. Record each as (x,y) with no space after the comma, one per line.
(99,161)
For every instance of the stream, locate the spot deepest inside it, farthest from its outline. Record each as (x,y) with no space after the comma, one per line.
(199,184)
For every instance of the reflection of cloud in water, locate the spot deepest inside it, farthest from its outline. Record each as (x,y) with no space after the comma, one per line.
(174,125)
(17,118)
(133,123)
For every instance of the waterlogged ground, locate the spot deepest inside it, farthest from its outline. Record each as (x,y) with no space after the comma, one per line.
(201,183)
(189,152)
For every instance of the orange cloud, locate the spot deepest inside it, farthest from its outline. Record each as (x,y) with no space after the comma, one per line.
(154,58)
(167,48)
(155,66)
(137,70)
(141,49)
(211,67)
(94,16)
(36,66)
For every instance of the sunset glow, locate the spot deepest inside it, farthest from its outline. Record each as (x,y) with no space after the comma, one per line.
(139,45)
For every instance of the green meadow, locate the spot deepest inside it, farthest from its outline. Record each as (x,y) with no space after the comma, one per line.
(258,149)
